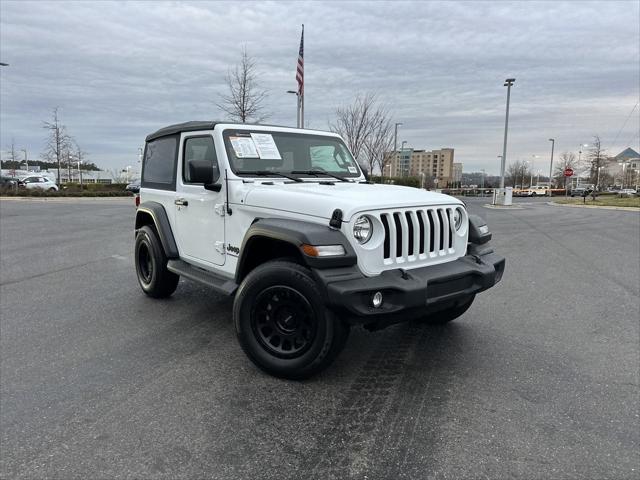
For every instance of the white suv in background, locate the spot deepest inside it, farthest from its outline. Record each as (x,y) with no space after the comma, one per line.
(38,182)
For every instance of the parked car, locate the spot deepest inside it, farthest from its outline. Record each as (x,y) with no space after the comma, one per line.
(38,183)
(8,182)
(578,192)
(133,187)
(282,220)
(627,192)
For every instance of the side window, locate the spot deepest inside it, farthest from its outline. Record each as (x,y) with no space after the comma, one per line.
(159,167)
(199,149)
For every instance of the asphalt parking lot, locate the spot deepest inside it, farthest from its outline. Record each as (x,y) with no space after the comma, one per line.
(539,379)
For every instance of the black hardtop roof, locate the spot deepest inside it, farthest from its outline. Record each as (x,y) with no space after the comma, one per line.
(203,125)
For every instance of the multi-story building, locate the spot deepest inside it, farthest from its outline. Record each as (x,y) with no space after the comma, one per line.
(457,174)
(435,164)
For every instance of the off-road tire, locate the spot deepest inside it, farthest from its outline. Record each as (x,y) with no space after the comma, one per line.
(151,265)
(449,314)
(282,322)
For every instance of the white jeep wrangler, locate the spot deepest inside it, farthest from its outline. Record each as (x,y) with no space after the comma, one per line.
(284,220)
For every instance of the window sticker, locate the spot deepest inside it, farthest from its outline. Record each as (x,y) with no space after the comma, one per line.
(267,148)
(244,147)
(353,170)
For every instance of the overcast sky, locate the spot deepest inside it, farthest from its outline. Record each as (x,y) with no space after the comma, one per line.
(119,71)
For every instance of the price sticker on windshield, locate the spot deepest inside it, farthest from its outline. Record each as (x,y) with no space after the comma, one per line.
(244,147)
(266,146)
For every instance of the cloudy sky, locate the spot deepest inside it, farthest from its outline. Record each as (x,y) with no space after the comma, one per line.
(119,71)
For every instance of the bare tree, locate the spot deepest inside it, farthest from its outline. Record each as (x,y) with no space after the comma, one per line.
(567,160)
(518,171)
(378,145)
(79,155)
(245,100)
(597,159)
(58,143)
(356,122)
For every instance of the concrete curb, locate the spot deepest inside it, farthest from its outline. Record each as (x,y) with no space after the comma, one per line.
(503,207)
(66,199)
(602,207)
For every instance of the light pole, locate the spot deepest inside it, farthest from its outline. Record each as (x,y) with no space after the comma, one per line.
(507,83)
(495,191)
(26,161)
(579,162)
(533,161)
(624,166)
(297,107)
(524,170)
(597,179)
(553,143)
(402,158)
(483,174)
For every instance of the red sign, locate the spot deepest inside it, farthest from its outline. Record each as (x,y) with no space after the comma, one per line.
(568,172)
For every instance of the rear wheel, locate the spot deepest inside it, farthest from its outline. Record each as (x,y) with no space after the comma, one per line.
(282,323)
(151,265)
(449,314)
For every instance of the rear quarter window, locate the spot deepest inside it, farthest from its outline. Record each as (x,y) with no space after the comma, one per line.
(159,164)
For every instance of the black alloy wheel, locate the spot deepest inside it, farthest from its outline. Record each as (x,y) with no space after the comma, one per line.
(145,264)
(284,321)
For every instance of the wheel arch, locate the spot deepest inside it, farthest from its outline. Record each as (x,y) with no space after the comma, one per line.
(154,214)
(268,239)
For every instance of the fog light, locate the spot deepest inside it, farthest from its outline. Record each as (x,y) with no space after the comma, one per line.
(376,300)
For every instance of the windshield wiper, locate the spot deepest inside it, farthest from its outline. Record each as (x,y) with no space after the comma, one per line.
(319,172)
(264,173)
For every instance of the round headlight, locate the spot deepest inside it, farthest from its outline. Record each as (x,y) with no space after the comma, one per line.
(362,229)
(457,218)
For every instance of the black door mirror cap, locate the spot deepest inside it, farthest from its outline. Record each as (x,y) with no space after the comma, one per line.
(214,187)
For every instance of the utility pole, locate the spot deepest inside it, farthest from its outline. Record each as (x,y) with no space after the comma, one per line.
(553,143)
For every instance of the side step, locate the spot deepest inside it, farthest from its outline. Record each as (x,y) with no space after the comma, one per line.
(217,282)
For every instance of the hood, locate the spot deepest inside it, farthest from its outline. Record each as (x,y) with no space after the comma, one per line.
(312,198)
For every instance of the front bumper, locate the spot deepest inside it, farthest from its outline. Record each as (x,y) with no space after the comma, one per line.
(410,293)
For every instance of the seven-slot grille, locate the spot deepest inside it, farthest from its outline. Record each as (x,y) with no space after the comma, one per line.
(417,234)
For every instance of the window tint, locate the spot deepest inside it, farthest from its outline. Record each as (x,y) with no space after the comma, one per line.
(199,149)
(159,166)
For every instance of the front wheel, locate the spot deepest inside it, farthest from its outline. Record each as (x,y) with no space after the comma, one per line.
(451,313)
(282,323)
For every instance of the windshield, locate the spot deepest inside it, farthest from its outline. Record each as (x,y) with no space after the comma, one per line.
(285,152)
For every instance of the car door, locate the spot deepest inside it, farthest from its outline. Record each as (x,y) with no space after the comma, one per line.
(199,212)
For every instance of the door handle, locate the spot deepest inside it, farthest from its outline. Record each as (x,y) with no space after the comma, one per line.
(182,202)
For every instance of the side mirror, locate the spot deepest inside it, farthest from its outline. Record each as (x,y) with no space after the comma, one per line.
(200,171)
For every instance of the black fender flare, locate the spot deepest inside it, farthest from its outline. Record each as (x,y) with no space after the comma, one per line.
(479,232)
(296,233)
(158,215)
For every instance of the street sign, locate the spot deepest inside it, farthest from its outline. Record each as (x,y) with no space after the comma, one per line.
(568,172)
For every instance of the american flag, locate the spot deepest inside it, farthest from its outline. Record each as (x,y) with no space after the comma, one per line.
(300,69)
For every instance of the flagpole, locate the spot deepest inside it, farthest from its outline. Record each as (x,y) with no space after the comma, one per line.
(302,93)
